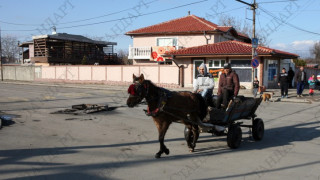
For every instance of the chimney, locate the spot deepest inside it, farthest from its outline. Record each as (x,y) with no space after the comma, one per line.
(189,13)
(54,30)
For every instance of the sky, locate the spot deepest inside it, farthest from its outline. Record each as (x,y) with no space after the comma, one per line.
(289,25)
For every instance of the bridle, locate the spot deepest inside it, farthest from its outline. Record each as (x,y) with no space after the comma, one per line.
(138,89)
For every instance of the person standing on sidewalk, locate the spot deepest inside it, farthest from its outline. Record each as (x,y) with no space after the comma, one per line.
(283,82)
(312,84)
(255,86)
(291,76)
(301,79)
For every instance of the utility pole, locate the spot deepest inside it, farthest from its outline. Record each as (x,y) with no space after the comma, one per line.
(1,57)
(253,7)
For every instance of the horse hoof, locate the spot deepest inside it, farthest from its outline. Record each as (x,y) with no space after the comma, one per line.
(158,155)
(191,150)
(166,151)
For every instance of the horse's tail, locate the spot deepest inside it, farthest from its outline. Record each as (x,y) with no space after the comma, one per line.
(202,107)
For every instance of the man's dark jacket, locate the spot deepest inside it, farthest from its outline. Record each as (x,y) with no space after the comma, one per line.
(283,78)
(229,81)
(299,76)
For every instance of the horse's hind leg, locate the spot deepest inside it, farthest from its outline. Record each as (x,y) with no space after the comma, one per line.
(162,126)
(189,136)
(195,131)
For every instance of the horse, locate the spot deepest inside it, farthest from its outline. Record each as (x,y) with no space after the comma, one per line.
(166,107)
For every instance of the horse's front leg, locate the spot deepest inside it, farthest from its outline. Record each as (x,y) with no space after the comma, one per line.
(162,126)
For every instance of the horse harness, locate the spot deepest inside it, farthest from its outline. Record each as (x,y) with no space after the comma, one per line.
(162,99)
(137,90)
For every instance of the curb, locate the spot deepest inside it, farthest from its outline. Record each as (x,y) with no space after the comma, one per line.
(82,86)
(292,100)
(245,92)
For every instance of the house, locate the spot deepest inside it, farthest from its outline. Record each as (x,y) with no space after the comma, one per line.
(191,40)
(179,33)
(63,48)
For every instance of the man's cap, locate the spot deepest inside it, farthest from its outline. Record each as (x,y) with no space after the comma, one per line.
(227,66)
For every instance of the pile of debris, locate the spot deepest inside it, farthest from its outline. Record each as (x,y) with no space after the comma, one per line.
(83,109)
(5,120)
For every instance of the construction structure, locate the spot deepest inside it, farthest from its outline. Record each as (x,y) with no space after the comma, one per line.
(63,48)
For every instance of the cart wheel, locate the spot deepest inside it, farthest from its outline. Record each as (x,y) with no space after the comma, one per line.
(257,129)
(234,136)
(186,132)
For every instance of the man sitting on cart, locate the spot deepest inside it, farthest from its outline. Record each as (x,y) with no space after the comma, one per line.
(228,86)
(204,83)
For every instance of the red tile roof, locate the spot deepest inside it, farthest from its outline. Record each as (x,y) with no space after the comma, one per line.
(224,28)
(189,24)
(230,48)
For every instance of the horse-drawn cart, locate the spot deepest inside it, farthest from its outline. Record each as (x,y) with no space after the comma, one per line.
(225,121)
(190,109)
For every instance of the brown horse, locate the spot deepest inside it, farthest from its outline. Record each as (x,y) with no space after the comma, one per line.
(166,107)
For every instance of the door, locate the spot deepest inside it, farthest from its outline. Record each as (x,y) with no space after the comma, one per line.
(196,64)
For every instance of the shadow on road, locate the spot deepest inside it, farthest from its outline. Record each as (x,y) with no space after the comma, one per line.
(276,137)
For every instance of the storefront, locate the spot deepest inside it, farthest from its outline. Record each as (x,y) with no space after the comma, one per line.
(239,55)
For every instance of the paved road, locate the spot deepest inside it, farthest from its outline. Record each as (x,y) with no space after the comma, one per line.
(121,144)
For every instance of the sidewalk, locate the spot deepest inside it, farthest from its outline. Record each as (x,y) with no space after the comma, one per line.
(245,92)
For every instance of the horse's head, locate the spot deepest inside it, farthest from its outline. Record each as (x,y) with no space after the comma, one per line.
(137,91)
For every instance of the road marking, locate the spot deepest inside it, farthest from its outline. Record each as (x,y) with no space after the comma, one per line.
(17,99)
(74,94)
(48,97)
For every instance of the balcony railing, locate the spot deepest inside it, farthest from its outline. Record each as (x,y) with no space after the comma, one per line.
(139,52)
(143,52)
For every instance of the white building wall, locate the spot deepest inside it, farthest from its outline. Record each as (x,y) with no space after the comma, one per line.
(184,41)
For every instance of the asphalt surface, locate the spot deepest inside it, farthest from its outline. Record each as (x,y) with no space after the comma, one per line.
(121,143)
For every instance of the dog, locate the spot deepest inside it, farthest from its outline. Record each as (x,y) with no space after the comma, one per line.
(266,96)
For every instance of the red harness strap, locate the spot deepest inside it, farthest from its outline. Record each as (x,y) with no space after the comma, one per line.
(131,90)
(152,113)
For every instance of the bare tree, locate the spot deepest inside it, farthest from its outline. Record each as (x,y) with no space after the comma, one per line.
(10,49)
(241,26)
(315,50)
(123,56)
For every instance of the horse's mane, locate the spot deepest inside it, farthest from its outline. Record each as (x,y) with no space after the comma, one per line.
(151,84)
(202,103)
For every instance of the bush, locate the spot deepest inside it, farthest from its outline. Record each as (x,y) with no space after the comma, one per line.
(84,60)
(300,62)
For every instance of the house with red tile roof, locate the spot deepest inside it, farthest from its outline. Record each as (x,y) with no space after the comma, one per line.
(189,41)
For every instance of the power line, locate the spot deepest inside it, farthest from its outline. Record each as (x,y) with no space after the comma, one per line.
(259,22)
(289,24)
(18,24)
(117,12)
(106,14)
(276,1)
(119,19)
(130,17)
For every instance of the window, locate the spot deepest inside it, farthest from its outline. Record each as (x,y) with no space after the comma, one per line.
(215,67)
(243,69)
(272,69)
(216,63)
(167,62)
(166,41)
(241,63)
